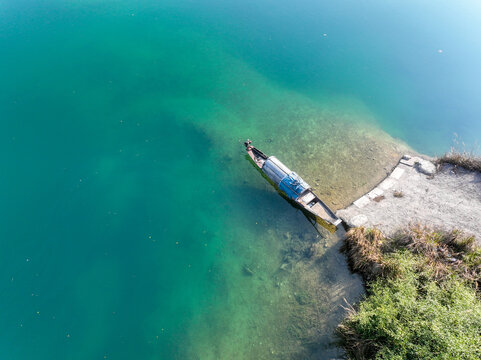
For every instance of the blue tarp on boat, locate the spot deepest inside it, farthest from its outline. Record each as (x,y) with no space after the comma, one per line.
(275,170)
(293,185)
(287,180)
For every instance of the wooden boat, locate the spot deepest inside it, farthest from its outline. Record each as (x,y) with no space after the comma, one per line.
(291,185)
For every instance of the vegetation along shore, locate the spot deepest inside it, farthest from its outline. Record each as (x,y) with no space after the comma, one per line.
(423,298)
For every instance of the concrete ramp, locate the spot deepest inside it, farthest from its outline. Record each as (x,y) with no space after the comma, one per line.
(417,192)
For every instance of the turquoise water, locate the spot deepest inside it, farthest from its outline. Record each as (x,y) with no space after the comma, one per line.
(133,227)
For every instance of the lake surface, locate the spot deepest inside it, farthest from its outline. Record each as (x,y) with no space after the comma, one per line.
(132,226)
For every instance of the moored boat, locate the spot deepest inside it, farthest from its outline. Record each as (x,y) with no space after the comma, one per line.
(292,185)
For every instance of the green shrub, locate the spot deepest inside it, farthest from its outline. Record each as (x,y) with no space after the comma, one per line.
(410,314)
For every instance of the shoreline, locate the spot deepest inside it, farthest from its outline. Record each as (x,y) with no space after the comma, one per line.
(422,295)
(414,238)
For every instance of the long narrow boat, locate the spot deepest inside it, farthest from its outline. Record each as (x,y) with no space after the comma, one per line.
(292,185)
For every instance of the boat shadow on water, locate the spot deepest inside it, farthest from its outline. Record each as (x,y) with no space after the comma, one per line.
(320,225)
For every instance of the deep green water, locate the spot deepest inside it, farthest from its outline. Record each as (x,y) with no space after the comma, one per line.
(128,212)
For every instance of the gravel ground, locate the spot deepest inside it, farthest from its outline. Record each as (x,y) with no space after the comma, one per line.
(450,198)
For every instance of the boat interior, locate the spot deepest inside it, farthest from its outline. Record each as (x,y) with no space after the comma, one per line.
(314,204)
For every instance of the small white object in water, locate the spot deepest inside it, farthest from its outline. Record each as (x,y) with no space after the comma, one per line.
(324,34)
(440,51)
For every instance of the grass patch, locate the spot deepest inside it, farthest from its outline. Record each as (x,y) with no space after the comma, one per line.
(447,252)
(422,300)
(398,194)
(363,249)
(462,159)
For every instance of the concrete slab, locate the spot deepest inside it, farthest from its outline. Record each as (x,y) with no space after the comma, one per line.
(445,200)
(397,173)
(409,162)
(358,220)
(375,193)
(387,184)
(361,202)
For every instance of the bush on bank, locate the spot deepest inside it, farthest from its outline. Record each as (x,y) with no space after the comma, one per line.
(421,301)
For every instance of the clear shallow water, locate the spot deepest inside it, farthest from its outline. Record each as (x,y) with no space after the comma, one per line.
(129,213)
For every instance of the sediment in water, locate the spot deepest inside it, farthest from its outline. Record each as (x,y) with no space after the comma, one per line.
(279,286)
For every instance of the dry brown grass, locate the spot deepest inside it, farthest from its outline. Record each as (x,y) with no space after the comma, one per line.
(446,252)
(355,344)
(461,159)
(363,249)
(417,278)
(398,194)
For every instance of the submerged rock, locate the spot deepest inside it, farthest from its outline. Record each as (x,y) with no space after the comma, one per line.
(317,250)
(302,298)
(247,271)
(285,266)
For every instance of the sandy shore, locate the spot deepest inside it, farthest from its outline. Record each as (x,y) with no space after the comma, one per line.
(417,192)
